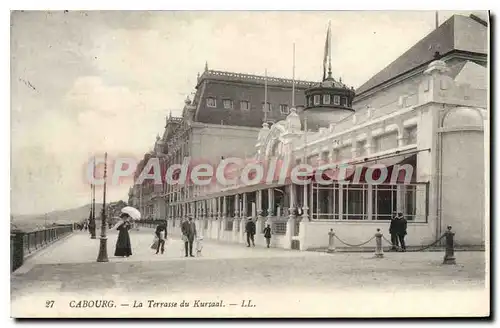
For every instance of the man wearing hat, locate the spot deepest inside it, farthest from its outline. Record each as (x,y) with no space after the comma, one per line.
(400,225)
(392,231)
(188,229)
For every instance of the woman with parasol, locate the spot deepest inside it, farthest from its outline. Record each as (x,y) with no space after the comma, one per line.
(123,246)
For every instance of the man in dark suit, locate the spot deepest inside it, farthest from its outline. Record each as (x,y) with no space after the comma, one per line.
(188,229)
(250,230)
(161,234)
(392,231)
(400,226)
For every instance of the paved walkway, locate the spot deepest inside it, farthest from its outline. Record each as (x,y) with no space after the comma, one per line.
(279,282)
(79,248)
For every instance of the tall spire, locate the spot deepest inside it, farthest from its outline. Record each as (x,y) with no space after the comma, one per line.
(327,54)
(206,66)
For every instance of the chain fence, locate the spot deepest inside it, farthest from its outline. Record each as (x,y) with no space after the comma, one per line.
(382,237)
(357,245)
(422,247)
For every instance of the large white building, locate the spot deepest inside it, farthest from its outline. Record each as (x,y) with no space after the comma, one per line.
(429,109)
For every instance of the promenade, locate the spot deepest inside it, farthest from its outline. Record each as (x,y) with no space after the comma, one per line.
(306,283)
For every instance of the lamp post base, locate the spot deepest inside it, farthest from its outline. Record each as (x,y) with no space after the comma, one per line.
(103,250)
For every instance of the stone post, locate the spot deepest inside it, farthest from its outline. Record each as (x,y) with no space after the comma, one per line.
(379,252)
(331,241)
(449,256)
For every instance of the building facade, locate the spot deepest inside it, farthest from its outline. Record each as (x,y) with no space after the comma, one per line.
(222,120)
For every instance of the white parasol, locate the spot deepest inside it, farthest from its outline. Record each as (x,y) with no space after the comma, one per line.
(132,212)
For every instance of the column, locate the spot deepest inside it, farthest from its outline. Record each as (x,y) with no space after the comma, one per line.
(401,131)
(369,142)
(354,146)
(305,217)
(270,201)
(222,226)
(243,219)
(236,220)
(290,224)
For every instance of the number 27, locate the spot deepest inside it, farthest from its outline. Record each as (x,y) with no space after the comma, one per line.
(49,304)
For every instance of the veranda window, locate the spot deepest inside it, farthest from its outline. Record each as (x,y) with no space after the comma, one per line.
(355,201)
(325,202)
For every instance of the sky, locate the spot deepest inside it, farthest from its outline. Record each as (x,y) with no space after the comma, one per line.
(85,83)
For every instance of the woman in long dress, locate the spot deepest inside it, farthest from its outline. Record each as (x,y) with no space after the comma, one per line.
(123,246)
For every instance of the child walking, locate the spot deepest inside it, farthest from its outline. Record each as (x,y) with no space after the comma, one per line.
(267,235)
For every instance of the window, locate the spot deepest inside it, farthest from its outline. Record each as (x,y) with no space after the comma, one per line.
(228,103)
(244,105)
(411,135)
(266,108)
(362,148)
(326,99)
(343,101)
(355,201)
(336,100)
(410,202)
(211,102)
(325,202)
(309,101)
(284,109)
(317,99)
(384,201)
(325,156)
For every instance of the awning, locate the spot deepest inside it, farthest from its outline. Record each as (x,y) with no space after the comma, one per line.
(357,172)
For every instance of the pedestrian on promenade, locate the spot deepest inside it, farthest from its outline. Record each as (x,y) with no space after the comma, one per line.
(392,231)
(123,245)
(250,230)
(161,234)
(267,234)
(188,229)
(300,211)
(400,225)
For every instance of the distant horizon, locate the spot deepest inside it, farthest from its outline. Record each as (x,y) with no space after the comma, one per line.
(15,215)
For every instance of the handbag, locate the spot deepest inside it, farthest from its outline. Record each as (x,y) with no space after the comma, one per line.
(155,243)
(184,238)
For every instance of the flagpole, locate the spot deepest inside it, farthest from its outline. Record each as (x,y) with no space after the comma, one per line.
(265,97)
(437,19)
(329,49)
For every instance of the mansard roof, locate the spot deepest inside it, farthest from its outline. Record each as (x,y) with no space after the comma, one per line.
(459,33)
(238,88)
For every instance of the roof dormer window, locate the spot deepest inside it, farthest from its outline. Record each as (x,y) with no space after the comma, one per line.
(336,100)
(228,104)
(211,102)
(244,105)
(326,99)
(317,100)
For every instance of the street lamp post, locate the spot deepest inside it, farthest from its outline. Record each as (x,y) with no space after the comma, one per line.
(92,225)
(103,245)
